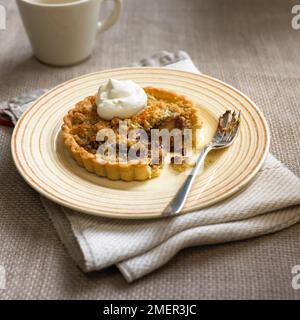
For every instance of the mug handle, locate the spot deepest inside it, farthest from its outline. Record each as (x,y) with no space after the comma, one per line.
(112,18)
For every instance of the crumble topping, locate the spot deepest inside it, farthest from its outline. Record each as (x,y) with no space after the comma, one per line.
(159,113)
(164,110)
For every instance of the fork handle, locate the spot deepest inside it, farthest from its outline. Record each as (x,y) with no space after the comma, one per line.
(177,203)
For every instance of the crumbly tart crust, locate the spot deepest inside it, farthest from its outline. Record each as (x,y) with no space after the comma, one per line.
(165,109)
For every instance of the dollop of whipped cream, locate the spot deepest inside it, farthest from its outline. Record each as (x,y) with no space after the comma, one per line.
(120,98)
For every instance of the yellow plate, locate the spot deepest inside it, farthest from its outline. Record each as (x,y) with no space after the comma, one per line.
(42,160)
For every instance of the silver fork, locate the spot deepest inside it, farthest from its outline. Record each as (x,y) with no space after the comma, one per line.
(224,137)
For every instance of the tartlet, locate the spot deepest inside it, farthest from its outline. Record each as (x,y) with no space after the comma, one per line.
(165,109)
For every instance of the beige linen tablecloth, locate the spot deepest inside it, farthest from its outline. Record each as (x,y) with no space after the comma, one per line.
(249,44)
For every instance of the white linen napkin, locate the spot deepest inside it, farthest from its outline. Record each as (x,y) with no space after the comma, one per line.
(270,203)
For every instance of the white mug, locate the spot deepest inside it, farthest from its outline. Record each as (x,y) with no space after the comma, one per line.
(63,32)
